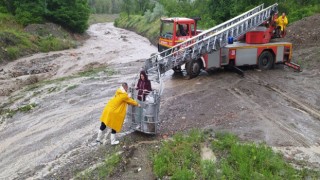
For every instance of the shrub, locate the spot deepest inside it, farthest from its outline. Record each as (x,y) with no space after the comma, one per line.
(3,9)
(28,13)
(300,13)
(70,14)
(50,43)
(13,52)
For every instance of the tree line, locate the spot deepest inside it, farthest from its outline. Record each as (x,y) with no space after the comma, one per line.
(213,12)
(74,14)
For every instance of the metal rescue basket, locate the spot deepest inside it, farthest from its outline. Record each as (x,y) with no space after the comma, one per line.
(146,118)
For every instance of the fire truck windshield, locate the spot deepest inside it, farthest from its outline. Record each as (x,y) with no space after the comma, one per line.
(166,30)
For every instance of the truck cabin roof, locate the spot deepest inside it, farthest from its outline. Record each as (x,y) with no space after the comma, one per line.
(178,19)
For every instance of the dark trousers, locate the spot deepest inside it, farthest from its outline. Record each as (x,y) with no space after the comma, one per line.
(103,127)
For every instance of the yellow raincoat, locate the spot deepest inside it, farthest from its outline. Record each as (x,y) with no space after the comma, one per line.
(115,111)
(282,22)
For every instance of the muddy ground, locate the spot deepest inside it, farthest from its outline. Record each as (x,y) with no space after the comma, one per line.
(54,140)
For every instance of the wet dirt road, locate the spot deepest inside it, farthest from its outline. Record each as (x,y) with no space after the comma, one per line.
(279,107)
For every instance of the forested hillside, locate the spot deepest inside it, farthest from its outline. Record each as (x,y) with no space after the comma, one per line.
(218,11)
(71,14)
(141,16)
(28,27)
(211,12)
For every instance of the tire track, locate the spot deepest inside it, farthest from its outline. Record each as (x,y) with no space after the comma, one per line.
(292,133)
(294,101)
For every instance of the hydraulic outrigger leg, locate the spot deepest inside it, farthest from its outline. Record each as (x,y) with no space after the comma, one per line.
(237,70)
(293,66)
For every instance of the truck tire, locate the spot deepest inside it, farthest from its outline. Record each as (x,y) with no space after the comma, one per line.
(193,68)
(265,60)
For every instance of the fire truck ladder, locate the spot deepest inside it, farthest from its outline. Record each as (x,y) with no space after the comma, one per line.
(207,42)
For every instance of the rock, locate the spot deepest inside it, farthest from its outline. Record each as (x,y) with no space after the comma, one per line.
(137,170)
(72,101)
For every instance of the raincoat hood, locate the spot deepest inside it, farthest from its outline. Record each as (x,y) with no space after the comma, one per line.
(120,90)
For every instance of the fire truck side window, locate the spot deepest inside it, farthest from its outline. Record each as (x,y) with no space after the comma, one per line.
(193,31)
(166,30)
(182,29)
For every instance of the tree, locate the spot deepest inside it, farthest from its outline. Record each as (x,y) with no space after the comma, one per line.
(73,14)
(126,6)
(9,4)
(157,12)
(142,5)
(115,7)
(27,11)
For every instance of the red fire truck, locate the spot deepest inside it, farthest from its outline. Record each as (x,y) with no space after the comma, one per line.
(181,44)
(253,48)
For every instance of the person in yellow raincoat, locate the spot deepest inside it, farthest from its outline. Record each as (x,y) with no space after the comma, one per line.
(282,21)
(114,113)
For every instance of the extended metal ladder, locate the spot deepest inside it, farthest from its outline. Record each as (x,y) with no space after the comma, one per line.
(208,41)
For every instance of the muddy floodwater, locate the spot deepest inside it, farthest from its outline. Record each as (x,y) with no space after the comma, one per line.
(279,107)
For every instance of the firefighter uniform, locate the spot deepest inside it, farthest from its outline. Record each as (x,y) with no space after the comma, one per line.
(282,22)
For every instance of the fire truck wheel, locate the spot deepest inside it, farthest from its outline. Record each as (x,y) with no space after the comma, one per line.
(193,68)
(265,60)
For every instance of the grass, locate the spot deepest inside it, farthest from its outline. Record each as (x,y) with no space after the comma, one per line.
(251,161)
(11,112)
(13,52)
(53,89)
(27,108)
(92,72)
(8,21)
(102,18)
(104,170)
(36,93)
(72,87)
(140,25)
(15,43)
(50,43)
(33,86)
(13,99)
(302,63)
(181,159)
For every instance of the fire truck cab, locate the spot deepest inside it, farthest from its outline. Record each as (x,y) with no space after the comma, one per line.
(176,30)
